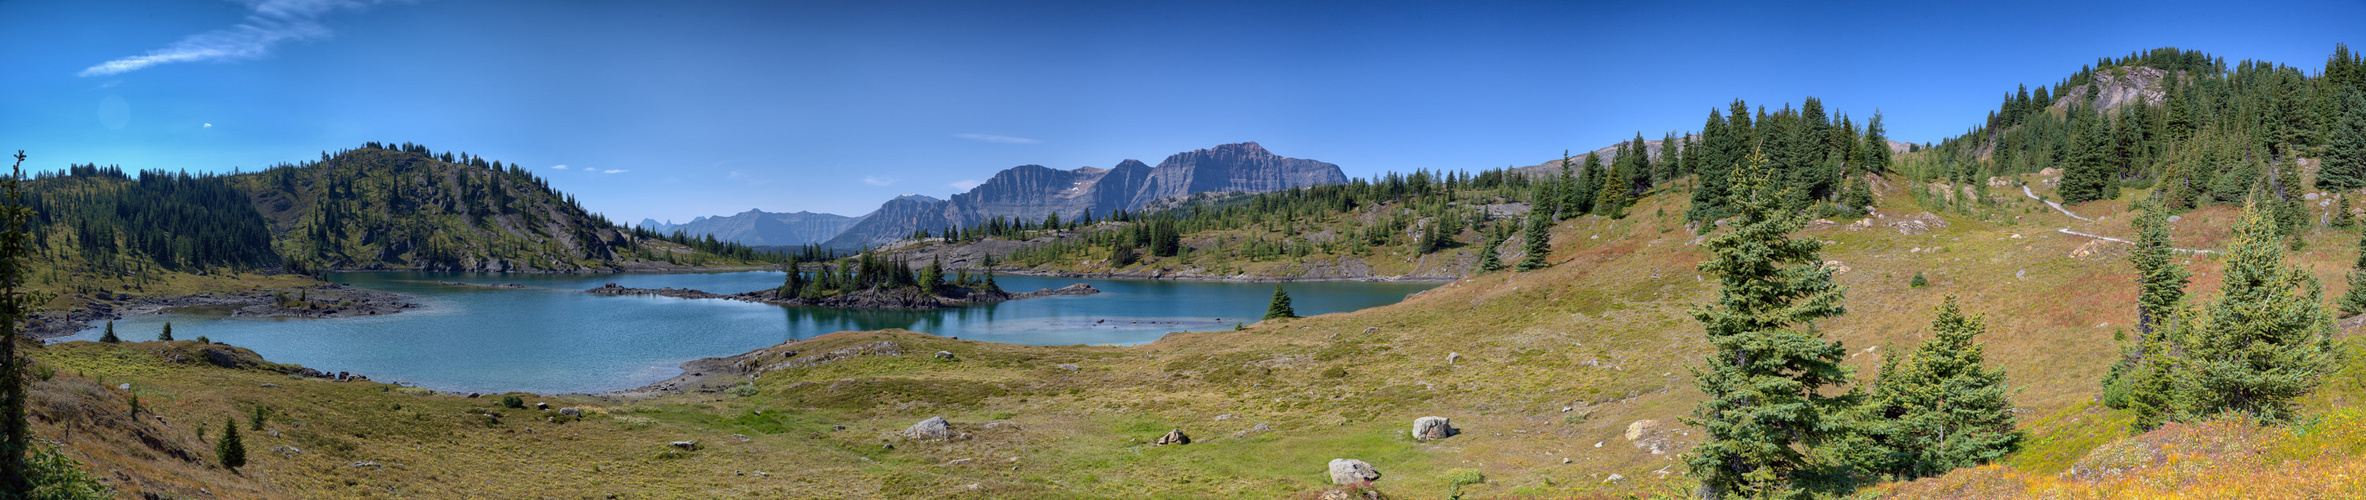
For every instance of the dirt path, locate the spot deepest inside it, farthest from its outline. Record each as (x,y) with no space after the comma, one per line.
(2058,207)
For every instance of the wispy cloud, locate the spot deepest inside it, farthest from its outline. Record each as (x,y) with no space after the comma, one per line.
(998,139)
(614,171)
(267,24)
(966,184)
(209,125)
(560,167)
(877,181)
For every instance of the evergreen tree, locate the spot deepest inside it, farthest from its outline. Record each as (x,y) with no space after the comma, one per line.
(2160,281)
(2353,302)
(1536,240)
(167,336)
(1768,416)
(1488,261)
(2266,341)
(1877,146)
(2087,176)
(2345,152)
(1942,409)
(1584,196)
(230,450)
(16,301)
(1280,307)
(932,278)
(109,336)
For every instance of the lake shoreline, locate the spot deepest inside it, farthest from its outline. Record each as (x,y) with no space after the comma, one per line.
(334,300)
(1222,279)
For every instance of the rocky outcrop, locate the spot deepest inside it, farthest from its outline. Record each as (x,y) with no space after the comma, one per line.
(1352,471)
(933,428)
(1032,192)
(1430,428)
(1173,437)
(2117,86)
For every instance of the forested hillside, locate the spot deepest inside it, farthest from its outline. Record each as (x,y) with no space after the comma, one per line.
(101,229)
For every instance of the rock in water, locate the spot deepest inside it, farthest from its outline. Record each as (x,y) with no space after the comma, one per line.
(1174,437)
(933,428)
(1428,428)
(1351,471)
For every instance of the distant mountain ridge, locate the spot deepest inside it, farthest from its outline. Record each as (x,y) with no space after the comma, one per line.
(760,228)
(1032,192)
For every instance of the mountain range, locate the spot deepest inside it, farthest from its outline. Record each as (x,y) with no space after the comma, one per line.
(1026,192)
(760,228)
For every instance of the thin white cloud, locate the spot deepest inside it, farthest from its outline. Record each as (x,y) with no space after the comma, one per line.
(998,139)
(877,181)
(966,184)
(267,24)
(560,167)
(614,171)
(209,125)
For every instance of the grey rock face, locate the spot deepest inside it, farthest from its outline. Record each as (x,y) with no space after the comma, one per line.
(933,428)
(1429,428)
(1174,437)
(1351,471)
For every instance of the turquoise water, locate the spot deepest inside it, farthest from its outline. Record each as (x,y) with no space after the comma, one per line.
(552,338)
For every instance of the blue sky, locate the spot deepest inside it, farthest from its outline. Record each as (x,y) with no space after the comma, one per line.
(672,110)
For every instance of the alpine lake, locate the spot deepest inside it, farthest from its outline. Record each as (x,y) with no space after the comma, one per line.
(553,338)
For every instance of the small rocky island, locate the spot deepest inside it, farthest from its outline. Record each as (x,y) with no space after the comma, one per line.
(875,298)
(870,282)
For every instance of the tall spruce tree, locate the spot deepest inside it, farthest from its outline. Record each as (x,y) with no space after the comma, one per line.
(1280,306)
(1941,409)
(2265,342)
(2353,302)
(2345,152)
(1488,261)
(230,450)
(2160,280)
(1535,241)
(2087,177)
(167,336)
(17,300)
(1768,413)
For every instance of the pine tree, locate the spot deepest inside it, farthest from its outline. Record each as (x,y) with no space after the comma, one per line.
(1488,261)
(2353,302)
(109,336)
(16,301)
(167,336)
(1280,307)
(1942,409)
(230,450)
(2345,152)
(1768,414)
(932,278)
(2086,179)
(2160,281)
(1535,241)
(2266,341)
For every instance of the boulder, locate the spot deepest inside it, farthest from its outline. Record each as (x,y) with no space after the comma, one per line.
(571,411)
(685,445)
(933,428)
(1174,437)
(1351,471)
(947,355)
(1428,428)
(541,406)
